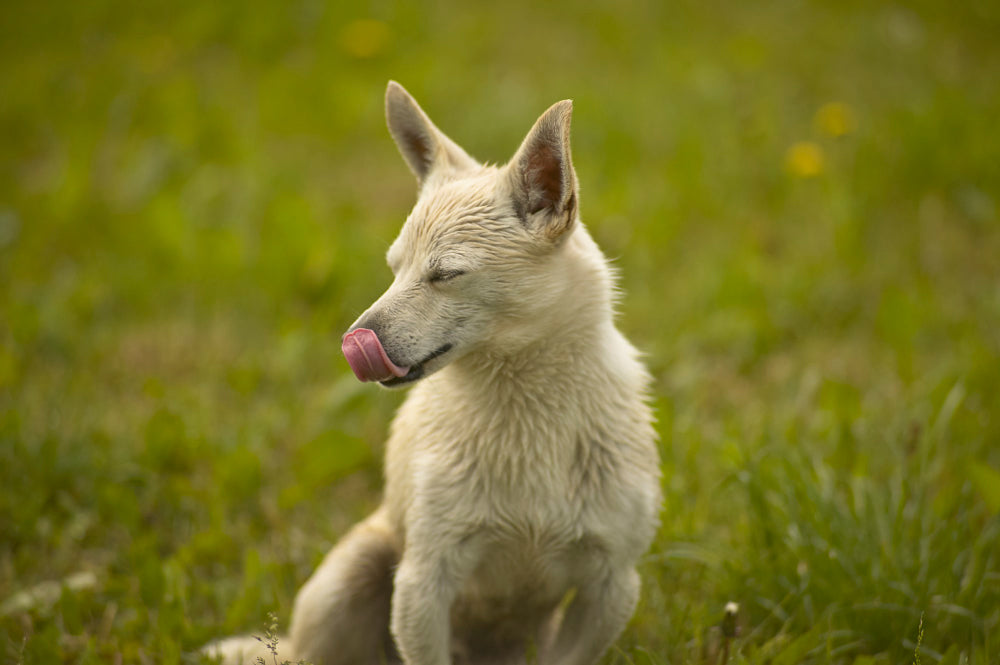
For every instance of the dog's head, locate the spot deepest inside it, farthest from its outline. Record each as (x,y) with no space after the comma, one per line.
(476,262)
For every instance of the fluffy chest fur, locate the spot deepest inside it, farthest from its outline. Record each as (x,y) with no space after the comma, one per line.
(544,461)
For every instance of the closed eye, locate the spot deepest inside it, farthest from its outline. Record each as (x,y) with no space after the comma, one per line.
(444,275)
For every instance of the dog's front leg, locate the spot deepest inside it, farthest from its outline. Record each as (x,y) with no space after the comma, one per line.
(594,619)
(425,587)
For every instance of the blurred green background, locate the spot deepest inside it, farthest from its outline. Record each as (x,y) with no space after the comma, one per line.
(195,198)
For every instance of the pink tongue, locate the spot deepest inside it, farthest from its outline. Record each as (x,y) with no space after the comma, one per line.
(367,358)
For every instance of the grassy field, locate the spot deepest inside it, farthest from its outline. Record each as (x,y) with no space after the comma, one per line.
(195,198)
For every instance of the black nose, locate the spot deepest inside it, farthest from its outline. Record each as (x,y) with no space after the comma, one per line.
(373,322)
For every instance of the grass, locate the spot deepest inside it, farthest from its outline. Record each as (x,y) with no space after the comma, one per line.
(802,197)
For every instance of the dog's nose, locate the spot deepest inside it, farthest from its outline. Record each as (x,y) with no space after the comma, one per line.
(372,320)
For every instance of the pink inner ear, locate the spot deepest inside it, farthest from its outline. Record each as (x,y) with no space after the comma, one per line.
(544,175)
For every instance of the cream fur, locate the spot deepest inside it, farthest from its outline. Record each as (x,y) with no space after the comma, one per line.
(522,477)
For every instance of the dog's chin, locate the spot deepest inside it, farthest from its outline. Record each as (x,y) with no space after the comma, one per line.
(419,370)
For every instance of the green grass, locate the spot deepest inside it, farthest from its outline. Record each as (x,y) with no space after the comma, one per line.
(802,197)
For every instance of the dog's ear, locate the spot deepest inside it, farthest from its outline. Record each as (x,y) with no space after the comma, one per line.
(424,147)
(541,176)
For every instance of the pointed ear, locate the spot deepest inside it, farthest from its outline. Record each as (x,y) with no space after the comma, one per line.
(541,176)
(424,147)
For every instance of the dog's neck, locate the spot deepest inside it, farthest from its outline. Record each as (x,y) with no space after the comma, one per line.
(561,339)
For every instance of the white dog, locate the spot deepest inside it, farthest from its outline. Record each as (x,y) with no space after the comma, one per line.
(522,475)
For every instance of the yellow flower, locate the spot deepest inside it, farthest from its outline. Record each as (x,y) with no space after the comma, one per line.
(364,38)
(804,159)
(835,119)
